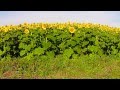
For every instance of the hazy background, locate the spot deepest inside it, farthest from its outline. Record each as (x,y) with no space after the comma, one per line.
(103,17)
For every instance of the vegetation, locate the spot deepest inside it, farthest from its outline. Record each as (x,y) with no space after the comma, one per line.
(58,68)
(59,50)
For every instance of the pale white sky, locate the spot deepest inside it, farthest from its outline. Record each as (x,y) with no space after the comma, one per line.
(103,17)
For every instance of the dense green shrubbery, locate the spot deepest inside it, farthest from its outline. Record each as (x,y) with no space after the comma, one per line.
(49,43)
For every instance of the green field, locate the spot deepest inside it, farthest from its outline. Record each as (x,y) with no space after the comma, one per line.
(58,68)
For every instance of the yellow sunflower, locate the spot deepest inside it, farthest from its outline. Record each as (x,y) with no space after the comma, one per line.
(71,29)
(43,26)
(5,30)
(26,31)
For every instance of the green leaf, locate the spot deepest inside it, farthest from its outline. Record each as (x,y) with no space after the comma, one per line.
(71,43)
(46,45)
(92,56)
(43,57)
(51,37)
(28,47)
(85,43)
(77,49)
(68,52)
(50,54)
(33,44)
(38,51)
(1,53)
(77,40)
(7,37)
(75,56)
(29,56)
(8,57)
(113,47)
(115,51)
(84,50)
(6,48)
(118,45)
(22,46)
(102,44)
(100,52)
(23,52)
(62,45)
(92,39)
(96,41)
(93,48)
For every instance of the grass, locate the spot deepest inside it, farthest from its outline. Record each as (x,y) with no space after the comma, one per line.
(58,68)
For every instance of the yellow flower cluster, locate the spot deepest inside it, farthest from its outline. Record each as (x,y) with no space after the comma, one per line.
(69,25)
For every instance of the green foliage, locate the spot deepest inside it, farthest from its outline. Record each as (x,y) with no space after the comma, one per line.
(38,51)
(52,42)
(68,53)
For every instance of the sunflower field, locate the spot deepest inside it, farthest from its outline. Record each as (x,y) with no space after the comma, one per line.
(48,40)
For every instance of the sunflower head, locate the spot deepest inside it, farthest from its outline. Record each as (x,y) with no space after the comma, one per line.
(26,31)
(71,29)
(25,23)
(43,26)
(5,30)
(60,26)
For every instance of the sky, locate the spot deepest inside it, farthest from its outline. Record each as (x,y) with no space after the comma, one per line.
(111,18)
